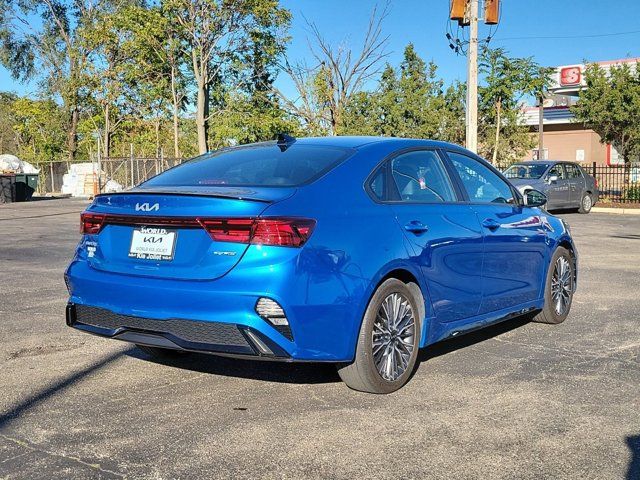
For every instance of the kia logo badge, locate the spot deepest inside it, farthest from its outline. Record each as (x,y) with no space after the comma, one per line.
(146,207)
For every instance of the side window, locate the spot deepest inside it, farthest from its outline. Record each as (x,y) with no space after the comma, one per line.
(376,184)
(481,184)
(558,171)
(420,176)
(572,170)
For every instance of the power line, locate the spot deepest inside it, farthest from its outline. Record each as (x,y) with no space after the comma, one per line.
(568,36)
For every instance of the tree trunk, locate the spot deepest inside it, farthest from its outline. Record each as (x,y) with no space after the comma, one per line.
(497,139)
(72,137)
(334,120)
(201,72)
(106,140)
(202,112)
(157,129)
(176,112)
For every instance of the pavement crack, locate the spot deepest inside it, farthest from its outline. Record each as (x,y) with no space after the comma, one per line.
(34,448)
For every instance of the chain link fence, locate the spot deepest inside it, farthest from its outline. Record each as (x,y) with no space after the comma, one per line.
(130,171)
(126,171)
(617,183)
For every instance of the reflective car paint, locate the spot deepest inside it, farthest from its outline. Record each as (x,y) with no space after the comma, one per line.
(469,275)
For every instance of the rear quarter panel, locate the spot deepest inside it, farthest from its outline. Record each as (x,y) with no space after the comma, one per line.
(356,242)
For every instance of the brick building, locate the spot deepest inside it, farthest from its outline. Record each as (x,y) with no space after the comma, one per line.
(563,138)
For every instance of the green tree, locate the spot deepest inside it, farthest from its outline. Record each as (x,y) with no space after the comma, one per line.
(506,81)
(411,103)
(110,55)
(610,105)
(39,129)
(155,72)
(7,121)
(249,110)
(217,37)
(46,33)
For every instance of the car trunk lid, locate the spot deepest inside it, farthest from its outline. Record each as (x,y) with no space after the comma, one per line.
(161,233)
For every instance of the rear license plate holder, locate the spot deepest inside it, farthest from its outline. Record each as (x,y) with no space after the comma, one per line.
(153,243)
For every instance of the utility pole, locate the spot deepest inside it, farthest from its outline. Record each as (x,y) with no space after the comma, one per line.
(472,78)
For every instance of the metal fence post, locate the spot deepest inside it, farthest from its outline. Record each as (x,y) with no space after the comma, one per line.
(53,187)
(593,168)
(131,163)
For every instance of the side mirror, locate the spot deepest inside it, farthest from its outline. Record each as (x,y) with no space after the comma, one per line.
(552,179)
(534,198)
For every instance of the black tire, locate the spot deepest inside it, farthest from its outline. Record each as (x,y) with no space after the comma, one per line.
(586,203)
(363,373)
(162,353)
(550,313)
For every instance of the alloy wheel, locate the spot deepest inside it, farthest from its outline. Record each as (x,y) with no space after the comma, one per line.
(586,203)
(393,336)
(561,285)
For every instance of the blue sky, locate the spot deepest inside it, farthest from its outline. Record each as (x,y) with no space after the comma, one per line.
(424,22)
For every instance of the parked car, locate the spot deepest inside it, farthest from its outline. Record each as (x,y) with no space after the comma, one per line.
(352,250)
(565,184)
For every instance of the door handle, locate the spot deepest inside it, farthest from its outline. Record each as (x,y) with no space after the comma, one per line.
(491,224)
(415,226)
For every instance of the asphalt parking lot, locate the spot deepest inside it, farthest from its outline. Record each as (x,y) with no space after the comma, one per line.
(521,401)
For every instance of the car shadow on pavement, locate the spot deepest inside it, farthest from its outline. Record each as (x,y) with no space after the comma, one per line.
(633,442)
(309,373)
(472,338)
(41,396)
(282,372)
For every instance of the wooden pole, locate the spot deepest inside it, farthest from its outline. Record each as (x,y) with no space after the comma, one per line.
(472,79)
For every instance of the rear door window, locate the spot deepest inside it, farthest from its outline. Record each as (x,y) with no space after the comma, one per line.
(420,177)
(558,171)
(377,185)
(265,165)
(573,171)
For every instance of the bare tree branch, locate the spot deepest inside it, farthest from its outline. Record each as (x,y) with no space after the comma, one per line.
(340,71)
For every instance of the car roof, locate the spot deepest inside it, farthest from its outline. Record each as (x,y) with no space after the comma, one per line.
(361,141)
(545,162)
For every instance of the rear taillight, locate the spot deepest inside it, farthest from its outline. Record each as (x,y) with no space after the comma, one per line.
(292,232)
(283,232)
(91,223)
(596,182)
(236,230)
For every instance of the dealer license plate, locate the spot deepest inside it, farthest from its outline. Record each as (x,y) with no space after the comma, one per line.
(152,243)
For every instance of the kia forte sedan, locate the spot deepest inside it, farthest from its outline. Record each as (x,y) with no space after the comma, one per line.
(565,184)
(357,251)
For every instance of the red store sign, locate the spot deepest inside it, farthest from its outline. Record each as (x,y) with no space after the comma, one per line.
(570,76)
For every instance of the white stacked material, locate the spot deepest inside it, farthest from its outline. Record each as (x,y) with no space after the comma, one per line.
(82,180)
(11,163)
(112,187)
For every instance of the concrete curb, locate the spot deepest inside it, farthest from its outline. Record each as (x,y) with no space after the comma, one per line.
(619,211)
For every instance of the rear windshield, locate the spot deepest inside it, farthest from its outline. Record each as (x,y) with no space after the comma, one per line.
(525,171)
(257,166)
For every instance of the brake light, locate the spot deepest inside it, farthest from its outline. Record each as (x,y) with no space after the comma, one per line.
(596,182)
(91,223)
(284,232)
(236,230)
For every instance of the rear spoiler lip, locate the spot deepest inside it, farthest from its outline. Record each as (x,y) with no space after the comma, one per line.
(185,194)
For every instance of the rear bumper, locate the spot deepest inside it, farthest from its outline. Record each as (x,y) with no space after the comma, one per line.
(323,321)
(176,334)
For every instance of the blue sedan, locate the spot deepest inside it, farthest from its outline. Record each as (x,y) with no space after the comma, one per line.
(352,250)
